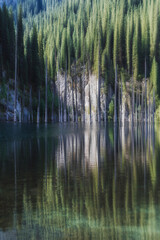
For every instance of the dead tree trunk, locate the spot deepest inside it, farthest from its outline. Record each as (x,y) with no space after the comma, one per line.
(38,108)
(115,97)
(84,82)
(149,107)
(7,101)
(30,105)
(20,110)
(142,110)
(65,96)
(121,100)
(15,84)
(46,110)
(145,90)
(132,100)
(99,85)
(52,114)
(153,108)
(72,101)
(76,98)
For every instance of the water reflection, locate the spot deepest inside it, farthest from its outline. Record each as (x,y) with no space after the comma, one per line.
(75,182)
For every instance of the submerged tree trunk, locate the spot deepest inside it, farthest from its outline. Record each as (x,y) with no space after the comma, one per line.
(15,84)
(139,104)
(52,114)
(153,107)
(145,90)
(121,99)
(46,110)
(84,81)
(76,98)
(132,100)
(30,105)
(65,96)
(23,102)
(59,102)
(7,102)
(115,97)
(72,101)
(136,105)
(20,110)
(149,107)
(142,110)
(90,105)
(119,102)
(99,86)
(38,108)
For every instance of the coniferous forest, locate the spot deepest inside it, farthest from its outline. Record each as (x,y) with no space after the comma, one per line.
(50,49)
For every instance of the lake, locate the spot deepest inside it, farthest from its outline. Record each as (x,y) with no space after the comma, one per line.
(79,182)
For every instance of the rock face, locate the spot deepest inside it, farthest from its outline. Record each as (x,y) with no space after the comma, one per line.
(87,95)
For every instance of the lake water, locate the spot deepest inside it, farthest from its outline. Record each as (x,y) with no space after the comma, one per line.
(79,182)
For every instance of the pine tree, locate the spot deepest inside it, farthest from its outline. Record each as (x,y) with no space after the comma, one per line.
(20,49)
(35,69)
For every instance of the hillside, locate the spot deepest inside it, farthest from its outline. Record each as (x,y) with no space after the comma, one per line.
(118,38)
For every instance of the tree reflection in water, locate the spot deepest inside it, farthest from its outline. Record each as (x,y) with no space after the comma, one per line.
(87,183)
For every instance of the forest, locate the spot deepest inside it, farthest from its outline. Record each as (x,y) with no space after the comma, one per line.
(116,41)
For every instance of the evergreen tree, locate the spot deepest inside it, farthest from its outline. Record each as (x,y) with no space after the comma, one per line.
(35,72)
(20,49)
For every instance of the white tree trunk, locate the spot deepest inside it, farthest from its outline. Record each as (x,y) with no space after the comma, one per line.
(65,96)
(99,87)
(132,101)
(72,102)
(115,96)
(15,84)
(30,105)
(38,108)
(7,102)
(145,90)
(46,95)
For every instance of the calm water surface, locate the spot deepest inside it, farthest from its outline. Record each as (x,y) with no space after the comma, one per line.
(79,182)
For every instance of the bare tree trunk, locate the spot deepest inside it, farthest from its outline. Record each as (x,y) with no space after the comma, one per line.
(59,102)
(84,95)
(119,102)
(115,97)
(105,110)
(30,105)
(139,106)
(52,114)
(121,99)
(153,108)
(90,105)
(145,90)
(136,104)
(142,110)
(38,108)
(76,98)
(61,109)
(15,84)
(132,100)
(65,96)
(46,110)
(72,102)
(149,107)
(20,110)
(23,102)
(99,86)
(7,101)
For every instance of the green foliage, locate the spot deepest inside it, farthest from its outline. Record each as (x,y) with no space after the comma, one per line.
(98,34)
